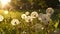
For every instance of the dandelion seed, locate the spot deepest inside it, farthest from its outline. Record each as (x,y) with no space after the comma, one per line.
(15,22)
(45,19)
(23,16)
(50,10)
(28,19)
(34,14)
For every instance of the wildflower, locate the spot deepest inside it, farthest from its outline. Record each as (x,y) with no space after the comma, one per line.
(28,19)
(23,16)
(15,22)
(50,10)
(45,19)
(34,14)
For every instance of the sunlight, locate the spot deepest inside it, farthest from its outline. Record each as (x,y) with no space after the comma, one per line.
(5,2)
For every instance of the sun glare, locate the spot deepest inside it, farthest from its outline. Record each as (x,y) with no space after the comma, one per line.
(5,2)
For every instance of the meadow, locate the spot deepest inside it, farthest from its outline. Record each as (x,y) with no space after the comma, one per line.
(25,27)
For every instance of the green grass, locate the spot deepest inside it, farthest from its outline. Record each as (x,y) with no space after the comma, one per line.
(7,28)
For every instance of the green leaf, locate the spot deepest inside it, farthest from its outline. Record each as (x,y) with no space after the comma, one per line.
(56,24)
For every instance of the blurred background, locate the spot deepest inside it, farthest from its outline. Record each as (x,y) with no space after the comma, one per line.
(13,9)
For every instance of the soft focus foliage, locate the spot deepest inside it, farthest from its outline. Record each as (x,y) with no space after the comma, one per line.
(34,27)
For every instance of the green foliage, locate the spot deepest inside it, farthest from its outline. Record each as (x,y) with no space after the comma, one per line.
(7,28)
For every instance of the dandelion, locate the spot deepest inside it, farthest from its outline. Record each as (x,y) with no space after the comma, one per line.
(45,19)
(1,18)
(27,13)
(34,14)
(15,22)
(49,15)
(28,19)
(50,10)
(23,16)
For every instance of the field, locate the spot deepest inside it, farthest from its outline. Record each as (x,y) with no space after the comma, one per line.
(26,28)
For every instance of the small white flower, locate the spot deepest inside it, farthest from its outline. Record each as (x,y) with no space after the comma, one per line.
(28,19)
(23,16)
(50,10)
(27,13)
(34,14)
(15,22)
(1,18)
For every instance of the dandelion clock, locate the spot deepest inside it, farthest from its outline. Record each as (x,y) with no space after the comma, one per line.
(28,19)
(45,19)
(1,18)
(34,14)
(15,22)
(23,16)
(50,10)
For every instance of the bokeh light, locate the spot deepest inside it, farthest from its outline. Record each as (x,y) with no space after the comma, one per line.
(5,2)
(6,12)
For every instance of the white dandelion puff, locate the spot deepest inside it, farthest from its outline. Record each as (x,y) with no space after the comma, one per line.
(1,18)
(49,15)
(34,14)
(27,13)
(23,16)
(28,19)
(50,10)
(45,19)
(15,22)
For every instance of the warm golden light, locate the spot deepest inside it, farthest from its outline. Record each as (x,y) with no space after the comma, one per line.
(5,2)
(6,12)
